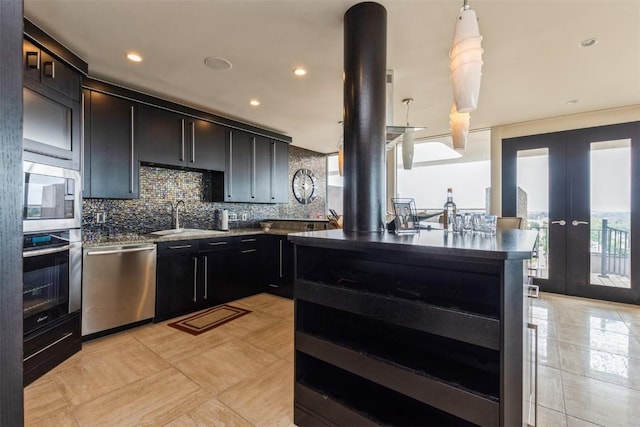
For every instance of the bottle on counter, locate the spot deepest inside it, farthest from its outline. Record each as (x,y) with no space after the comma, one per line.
(450,211)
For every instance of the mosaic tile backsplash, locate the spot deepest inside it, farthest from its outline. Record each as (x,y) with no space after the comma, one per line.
(161,188)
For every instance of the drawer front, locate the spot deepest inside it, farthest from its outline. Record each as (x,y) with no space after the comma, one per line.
(248,243)
(50,346)
(218,243)
(177,246)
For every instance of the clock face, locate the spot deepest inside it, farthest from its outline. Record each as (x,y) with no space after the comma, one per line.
(304,186)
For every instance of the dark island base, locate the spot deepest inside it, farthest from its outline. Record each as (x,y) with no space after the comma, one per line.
(422,337)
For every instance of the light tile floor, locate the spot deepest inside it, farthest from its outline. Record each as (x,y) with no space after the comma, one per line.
(241,373)
(589,354)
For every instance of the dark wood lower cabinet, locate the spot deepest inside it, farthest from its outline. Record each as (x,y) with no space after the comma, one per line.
(176,278)
(277,265)
(46,348)
(196,274)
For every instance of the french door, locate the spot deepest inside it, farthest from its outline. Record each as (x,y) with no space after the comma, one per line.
(581,190)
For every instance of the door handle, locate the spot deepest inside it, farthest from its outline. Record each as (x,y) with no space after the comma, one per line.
(49,69)
(133,150)
(561,222)
(206,273)
(193,142)
(182,140)
(195,278)
(576,223)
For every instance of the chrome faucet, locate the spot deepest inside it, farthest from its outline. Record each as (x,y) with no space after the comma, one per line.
(177,213)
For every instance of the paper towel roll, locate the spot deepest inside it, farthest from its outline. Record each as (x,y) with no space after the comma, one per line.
(224,220)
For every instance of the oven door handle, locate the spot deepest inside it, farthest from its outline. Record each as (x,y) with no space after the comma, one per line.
(39,252)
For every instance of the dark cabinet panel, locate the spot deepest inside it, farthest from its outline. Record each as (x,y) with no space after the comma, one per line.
(43,67)
(279,172)
(168,138)
(219,283)
(257,169)
(246,265)
(176,279)
(238,174)
(261,170)
(162,136)
(206,145)
(277,265)
(52,111)
(111,164)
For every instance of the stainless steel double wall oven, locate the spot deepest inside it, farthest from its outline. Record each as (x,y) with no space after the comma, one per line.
(52,266)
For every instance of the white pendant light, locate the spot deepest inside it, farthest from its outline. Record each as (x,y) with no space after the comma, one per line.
(459,125)
(407,141)
(465,60)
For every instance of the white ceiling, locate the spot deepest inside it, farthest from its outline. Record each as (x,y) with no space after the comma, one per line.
(532,62)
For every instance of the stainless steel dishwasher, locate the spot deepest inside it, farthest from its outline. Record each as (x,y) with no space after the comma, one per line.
(118,286)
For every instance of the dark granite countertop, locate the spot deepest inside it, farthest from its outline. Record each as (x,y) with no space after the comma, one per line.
(98,239)
(506,244)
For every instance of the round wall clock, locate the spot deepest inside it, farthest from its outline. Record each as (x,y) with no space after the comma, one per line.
(304,186)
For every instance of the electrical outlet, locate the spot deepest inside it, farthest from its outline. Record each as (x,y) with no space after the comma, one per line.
(101,217)
(244,216)
(233,216)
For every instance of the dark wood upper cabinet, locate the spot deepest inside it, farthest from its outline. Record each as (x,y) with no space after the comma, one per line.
(257,169)
(261,167)
(206,145)
(172,139)
(111,161)
(238,174)
(52,110)
(41,66)
(279,172)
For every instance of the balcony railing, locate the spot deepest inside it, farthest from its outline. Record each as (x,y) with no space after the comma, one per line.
(615,250)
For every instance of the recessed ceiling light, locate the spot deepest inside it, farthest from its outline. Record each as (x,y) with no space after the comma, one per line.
(572,101)
(218,64)
(588,42)
(254,102)
(299,71)
(134,57)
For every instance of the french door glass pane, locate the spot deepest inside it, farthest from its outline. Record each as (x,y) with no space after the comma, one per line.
(611,213)
(533,203)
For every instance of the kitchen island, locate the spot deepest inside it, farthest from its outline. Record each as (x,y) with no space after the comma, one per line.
(422,329)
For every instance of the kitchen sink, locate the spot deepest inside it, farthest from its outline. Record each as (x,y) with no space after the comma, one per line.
(186,232)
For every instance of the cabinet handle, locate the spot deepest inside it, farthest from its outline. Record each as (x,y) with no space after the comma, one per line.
(195,278)
(273,170)
(82,148)
(179,246)
(248,240)
(534,327)
(206,279)
(217,243)
(248,251)
(253,167)
(280,258)
(49,69)
(193,142)
(230,165)
(133,145)
(182,140)
(33,60)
